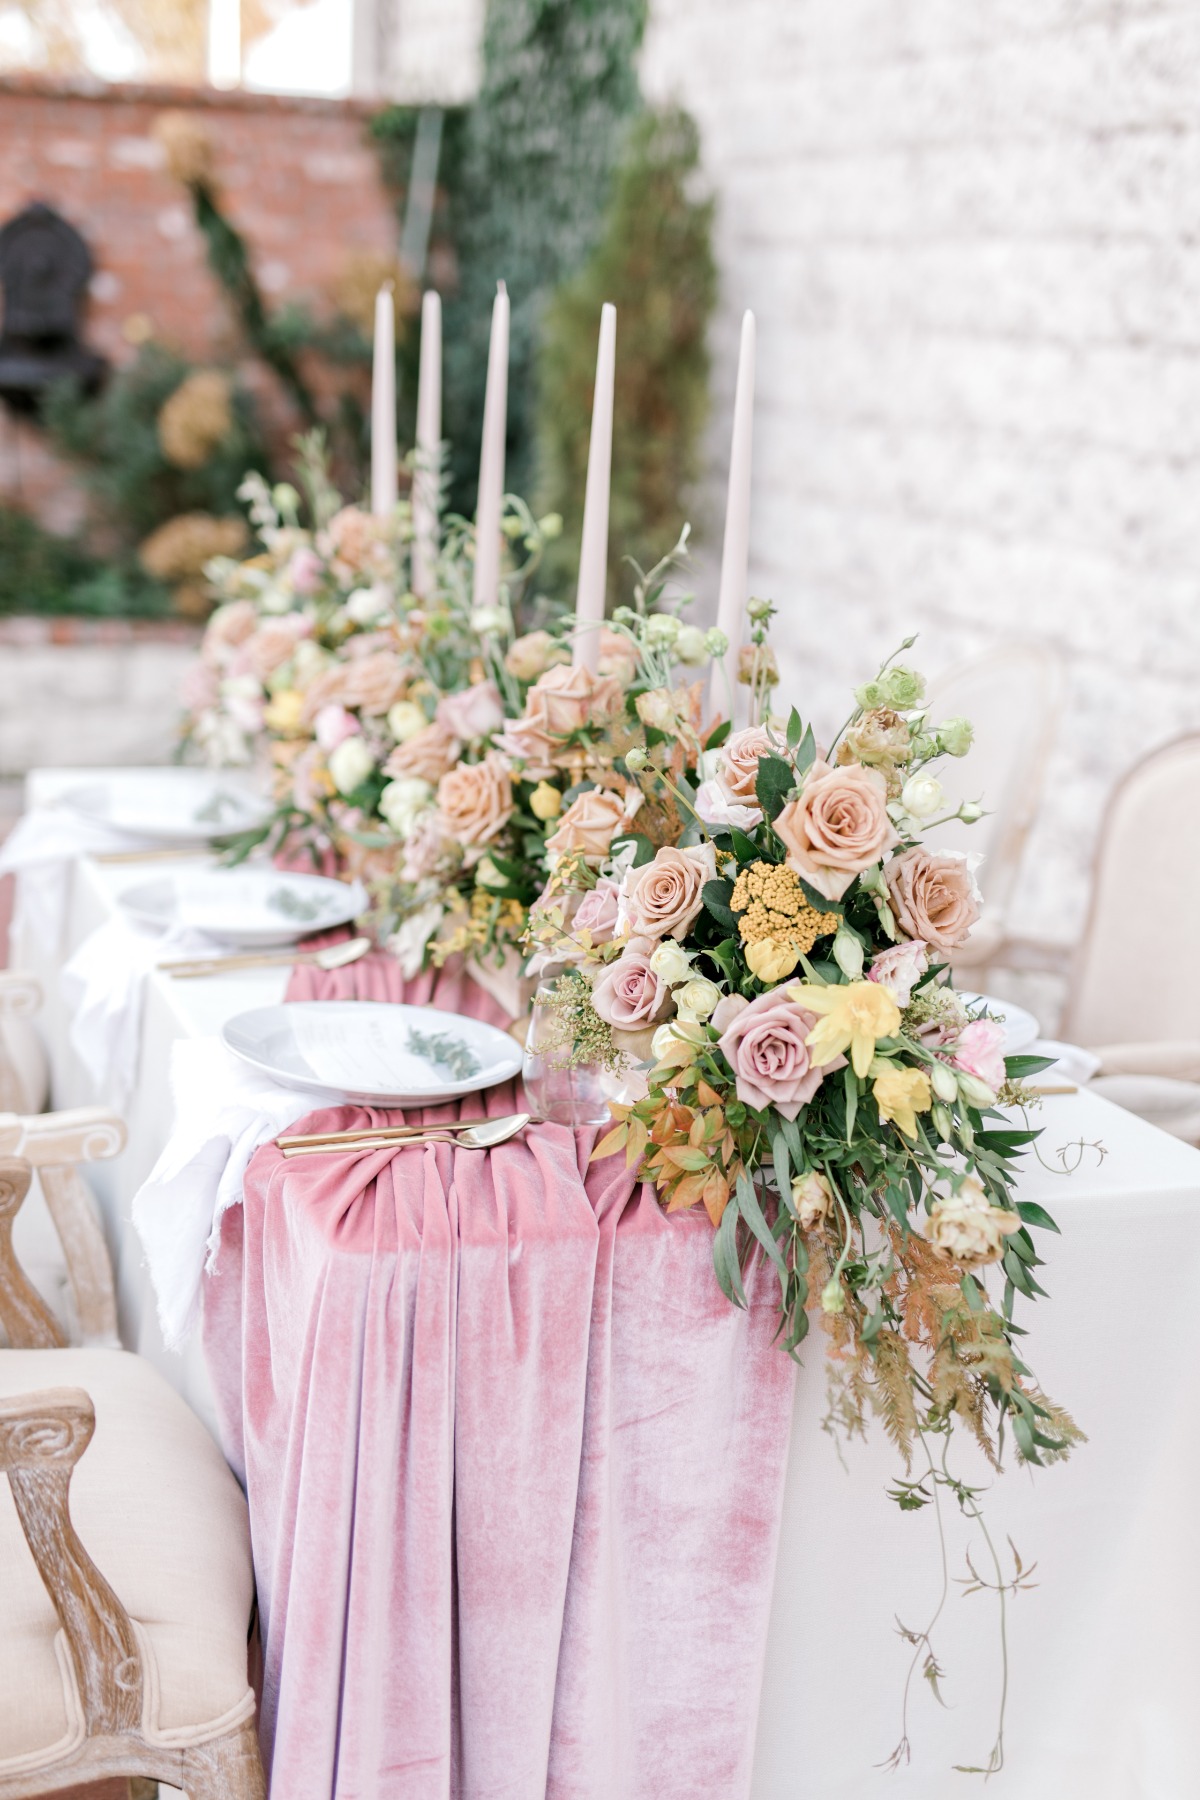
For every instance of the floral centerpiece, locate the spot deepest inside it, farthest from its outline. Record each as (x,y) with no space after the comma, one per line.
(754,925)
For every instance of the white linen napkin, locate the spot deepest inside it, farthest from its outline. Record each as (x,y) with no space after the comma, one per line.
(104,985)
(223,1111)
(40,849)
(1071,1062)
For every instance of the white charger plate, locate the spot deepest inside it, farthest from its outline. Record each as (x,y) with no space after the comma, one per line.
(177,806)
(250,907)
(368,1050)
(1021,1029)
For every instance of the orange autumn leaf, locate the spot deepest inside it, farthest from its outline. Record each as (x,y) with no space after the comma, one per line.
(715,1196)
(612,1141)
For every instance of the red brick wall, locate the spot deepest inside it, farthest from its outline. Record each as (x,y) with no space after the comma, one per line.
(298,178)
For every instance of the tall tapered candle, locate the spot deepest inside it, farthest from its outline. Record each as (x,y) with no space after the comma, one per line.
(383,406)
(429,437)
(593,550)
(735,556)
(491,457)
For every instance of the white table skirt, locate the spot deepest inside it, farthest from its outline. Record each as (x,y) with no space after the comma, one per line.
(1105,1664)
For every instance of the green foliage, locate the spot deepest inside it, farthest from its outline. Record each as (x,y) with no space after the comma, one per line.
(114,437)
(539,150)
(43,573)
(655,263)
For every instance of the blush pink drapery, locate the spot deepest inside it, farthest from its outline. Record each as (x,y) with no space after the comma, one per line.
(514,1466)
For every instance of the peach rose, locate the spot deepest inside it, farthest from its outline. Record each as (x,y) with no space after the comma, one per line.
(429,754)
(272,644)
(740,755)
(475,800)
(589,825)
(531,655)
(374,683)
(629,993)
(229,626)
(836,827)
(618,657)
(933,895)
(474,713)
(664,896)
(561,701)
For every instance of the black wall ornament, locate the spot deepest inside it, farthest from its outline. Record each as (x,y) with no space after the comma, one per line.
(44,269)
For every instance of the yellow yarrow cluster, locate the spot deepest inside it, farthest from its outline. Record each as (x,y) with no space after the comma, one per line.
(772,904)
(471,926)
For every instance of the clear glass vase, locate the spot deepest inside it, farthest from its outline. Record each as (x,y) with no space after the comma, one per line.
(559,1090)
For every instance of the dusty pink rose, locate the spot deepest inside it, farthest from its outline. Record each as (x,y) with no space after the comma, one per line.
(272,644)
(663,897)
(474,713)
(900,968)
(629,993)
(305,570)
(727,1010)
(374,683)
(333,724)
(589,825)
(836,827)
(740,754)
(765,1048)
(597,912)
(429,754)
(475,800)
(933,896)
(980,1051)
(229,626)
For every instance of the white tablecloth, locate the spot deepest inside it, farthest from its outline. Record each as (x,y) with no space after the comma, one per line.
(1105,1663)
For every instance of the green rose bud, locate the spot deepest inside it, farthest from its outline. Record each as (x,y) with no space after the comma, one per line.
(759,610)
(636,760)
(662,630)
(970,812)
(833,1299)
(955,737)
(689,645)
(715,642)
(904,688)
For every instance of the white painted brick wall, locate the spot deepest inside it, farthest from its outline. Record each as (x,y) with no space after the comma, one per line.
(971,235)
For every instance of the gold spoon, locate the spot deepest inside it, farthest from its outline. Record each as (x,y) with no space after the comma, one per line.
(484,1136)
(337,956)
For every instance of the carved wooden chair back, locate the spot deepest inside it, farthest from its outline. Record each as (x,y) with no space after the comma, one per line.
(24,1078)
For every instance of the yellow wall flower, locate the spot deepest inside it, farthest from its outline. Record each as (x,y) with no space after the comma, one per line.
(285,712)
(771,960)
(856,1015)
(900,1095)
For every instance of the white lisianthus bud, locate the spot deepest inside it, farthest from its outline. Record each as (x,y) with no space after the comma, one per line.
(636,759)
(943,1124)
(833,1298)
(697,998)
(405,719)
(671,962)
(350,764)
(402,801)
(689,646)
(944,1082)
(759,610)
(715,642)
(812,1198)
(848,953)
(487,618)
(955,736)
(976,1092)
(970,812)
(662,631)
(922,796)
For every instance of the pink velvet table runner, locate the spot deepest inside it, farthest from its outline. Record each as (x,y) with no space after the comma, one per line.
(514,1466)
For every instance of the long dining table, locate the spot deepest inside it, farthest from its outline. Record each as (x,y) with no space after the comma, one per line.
(1101,1666)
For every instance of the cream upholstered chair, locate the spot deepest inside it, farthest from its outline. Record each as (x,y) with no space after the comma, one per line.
(125,1572)
(1140,1011)
(24,1077)
(1013,697)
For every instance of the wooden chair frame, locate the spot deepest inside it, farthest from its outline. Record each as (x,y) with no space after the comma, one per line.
(42,1437)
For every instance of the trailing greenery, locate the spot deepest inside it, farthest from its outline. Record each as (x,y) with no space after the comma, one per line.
(654,261)
(538,153)
(115,439)
(40,572)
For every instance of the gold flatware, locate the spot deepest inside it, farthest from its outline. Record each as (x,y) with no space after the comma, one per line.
(1053,1087)
(336,956)
(483,1136)
(175,853)
(295,1139)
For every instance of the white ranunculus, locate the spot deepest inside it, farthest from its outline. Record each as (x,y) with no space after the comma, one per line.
(350,764)
(922,797)
(405,719)
(403,801)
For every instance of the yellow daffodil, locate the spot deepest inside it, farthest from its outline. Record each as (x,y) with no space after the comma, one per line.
(545,802)
(285,712)
(900,1095)
(771,959)
(856,1015)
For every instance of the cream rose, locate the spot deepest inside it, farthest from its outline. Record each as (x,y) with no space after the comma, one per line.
(589,825)
(836,827)
(475,800)
(663,897)
(966,1227)
(933,895)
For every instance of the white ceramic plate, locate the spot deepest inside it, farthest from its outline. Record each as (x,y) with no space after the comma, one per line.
(250,907)
(177,806)
(1021,1029)
(367,1050)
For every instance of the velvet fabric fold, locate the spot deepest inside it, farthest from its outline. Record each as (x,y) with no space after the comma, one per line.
(514,1466)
